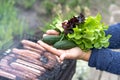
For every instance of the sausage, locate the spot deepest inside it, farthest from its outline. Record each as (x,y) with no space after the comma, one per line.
(8,59)
(31,65)
(31,60)
(33,49)
(26,53)
(7,75)
(23,74)
(51,58)
(32,44)
(4,61)
(17,73)
(26,68)
(52,61)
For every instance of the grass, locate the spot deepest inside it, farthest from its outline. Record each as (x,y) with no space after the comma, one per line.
(27,4)
(10,25)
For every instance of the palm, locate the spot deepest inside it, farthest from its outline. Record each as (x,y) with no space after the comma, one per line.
(73,53)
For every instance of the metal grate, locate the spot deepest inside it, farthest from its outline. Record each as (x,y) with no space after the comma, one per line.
(18,67)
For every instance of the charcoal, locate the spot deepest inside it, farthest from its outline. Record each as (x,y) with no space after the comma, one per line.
(43,59)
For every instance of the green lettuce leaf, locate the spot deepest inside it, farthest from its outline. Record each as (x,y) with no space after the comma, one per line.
(91,34)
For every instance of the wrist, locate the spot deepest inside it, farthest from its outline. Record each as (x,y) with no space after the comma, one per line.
(85,55)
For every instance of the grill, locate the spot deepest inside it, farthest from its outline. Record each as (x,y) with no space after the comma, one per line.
(23,67)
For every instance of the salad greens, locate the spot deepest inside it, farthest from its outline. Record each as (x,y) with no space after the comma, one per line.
(87,32)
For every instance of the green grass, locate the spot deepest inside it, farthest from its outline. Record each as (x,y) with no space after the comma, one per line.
(10,25)
(27,4)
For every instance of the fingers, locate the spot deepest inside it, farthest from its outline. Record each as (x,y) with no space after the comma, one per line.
(52,32)
(32,44)
(50,48)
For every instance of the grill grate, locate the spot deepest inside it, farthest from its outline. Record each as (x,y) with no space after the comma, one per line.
(18,67)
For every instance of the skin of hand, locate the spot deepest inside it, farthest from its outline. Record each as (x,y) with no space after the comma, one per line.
(74,53)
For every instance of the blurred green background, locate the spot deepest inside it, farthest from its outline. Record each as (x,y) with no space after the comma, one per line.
(33,16)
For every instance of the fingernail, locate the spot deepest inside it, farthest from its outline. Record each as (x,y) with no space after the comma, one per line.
(39,41)
(44,35)
(23,41)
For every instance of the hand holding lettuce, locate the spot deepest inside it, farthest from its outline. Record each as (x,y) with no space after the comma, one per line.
(86,33)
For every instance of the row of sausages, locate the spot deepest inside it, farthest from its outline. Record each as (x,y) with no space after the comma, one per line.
(27,64)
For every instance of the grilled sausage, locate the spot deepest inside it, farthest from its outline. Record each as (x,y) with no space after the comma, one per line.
(31,65)
(26,68)
(7,75)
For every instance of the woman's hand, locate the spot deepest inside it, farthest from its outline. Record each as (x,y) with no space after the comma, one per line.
(74,53)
